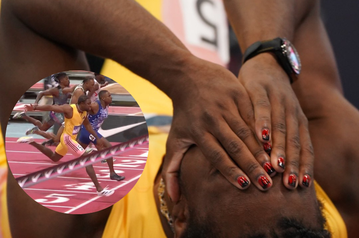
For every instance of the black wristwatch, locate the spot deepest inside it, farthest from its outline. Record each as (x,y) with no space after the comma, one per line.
(287,56)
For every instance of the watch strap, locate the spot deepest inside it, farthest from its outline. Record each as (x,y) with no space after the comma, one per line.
(269,46)
(261,47)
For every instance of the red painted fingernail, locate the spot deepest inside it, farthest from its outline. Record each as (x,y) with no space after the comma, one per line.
(306,180)
(242,181)
(292,180)
(267,147)
(264,182)
(265,134)
(268,168)
(281,162)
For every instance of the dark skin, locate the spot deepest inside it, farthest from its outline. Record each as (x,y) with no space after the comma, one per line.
(37,40)
(87,86)
(333,126)
(167,64)
(205,187)
(82,226)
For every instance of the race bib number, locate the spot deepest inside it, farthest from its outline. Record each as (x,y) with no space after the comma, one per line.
(91,137)
(79,147)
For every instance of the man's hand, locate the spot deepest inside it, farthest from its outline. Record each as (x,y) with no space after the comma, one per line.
(29,108)
(213,110)
(277,113)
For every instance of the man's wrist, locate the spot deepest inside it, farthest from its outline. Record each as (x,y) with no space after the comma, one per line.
(285,54)
(268,60)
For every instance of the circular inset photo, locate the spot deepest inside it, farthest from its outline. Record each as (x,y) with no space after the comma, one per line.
(76,142)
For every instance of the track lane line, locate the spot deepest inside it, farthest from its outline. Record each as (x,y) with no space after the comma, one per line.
(97,197)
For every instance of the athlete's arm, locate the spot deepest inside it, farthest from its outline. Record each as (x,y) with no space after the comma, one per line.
(76,95)
(69,89)
(66,109)
(198,88)
(94,108)
(49,92)
(89,128)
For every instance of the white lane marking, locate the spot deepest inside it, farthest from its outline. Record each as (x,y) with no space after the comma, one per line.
(56,190)
(97,197)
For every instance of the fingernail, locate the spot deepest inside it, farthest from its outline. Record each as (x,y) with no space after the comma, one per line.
(267,147)
(242,181)
(268,168)
(265,134)
(281,162)
(264,182)
(306,180)
(292,180)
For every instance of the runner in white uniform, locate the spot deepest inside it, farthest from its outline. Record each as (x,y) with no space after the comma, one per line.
(100,82)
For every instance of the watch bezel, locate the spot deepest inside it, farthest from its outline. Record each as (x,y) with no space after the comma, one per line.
(286,45)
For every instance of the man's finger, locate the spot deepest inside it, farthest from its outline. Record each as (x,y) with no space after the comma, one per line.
(262,114)
(246,165)
(293,147)
(247,141)
(278,134)
(307,155)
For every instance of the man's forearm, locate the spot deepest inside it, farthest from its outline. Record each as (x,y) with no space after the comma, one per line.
(257,20)
(319,82)
(130,35)
(49,108)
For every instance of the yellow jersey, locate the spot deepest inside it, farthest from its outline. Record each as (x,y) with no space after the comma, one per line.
(73,124)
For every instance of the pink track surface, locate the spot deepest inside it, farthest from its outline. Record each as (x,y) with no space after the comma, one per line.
(116,110)
(75,193)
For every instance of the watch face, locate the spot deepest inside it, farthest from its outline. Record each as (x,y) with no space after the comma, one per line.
(293,57)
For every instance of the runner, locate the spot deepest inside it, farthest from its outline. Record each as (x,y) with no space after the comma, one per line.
(75,116)
(87,85)
(60,94)
(100,82)
(97,115)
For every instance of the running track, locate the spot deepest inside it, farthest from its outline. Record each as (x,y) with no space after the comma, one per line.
(74,193)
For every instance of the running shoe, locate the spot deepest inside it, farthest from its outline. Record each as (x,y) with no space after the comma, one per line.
(25,139)
(105,192)
(18,115)
(89,150)
(117,177)
(32,130)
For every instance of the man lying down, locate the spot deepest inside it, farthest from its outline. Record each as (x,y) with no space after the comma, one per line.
(212,207)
